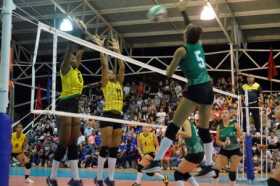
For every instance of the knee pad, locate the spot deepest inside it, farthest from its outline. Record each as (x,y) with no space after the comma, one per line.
(28,165)
(113,152)
(217,173)
(73,152)
(272,182)
(180,176)
(140,167)
(150,174)
(205,135)
(103,152)
(60,152)
(171,131)
(232,176)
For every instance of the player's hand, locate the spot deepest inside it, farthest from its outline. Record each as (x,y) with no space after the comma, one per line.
(98,40)
(181,5)
(115,45)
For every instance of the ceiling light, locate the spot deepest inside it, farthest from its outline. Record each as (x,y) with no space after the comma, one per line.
(207,13)
(66,25)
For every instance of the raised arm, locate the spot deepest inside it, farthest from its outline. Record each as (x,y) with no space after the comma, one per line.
(79,56)
(179,54)
(66,64)
(103,60)
(116,47)
(181,6)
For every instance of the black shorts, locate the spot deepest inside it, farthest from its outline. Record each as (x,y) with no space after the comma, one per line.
(70,104)
(230,153)
(202,93)
(15,155)
(152,154)
(110,114)
(195,158)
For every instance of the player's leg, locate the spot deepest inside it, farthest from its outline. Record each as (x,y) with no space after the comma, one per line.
(145,161)
(220,164)
(64,134)
(73,152)
(274,180)
(113,152)
(187,165)
(184,109)
(106,138)
(25,162)
(204,134)
(234,163)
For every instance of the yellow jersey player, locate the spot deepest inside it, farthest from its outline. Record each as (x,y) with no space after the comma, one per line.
(147,144)
(19,143)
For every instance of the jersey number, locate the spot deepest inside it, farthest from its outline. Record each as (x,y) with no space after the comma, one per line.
(201,62)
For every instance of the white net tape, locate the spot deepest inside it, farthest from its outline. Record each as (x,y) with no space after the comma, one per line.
(58,33)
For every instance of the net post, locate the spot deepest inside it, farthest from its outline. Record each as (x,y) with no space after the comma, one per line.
(261,118)
(54,60)
(33,88)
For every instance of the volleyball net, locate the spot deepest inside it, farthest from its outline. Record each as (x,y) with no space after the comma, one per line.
(68,37)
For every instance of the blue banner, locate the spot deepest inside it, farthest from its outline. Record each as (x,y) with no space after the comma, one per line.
(249,162)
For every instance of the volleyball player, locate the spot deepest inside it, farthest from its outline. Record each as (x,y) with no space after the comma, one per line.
(274,180)
(69,127)
(111,133)
(198,94)
(19,144)
(147,144)
(229,137)
(194,155)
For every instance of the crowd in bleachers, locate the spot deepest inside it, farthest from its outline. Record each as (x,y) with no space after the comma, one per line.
(150,102)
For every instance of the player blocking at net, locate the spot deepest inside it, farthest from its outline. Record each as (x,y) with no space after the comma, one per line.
(111,133)
(198,94)
(69,127)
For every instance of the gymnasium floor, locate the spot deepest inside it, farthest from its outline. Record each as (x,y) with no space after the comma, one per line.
(124,178)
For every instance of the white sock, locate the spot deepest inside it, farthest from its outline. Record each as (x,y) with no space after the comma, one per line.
(74,169)
(208,150)
(55,166)
(111,168)
(26,172)
(139,177)
(180,183)
(193,181)
(159,175)
(100,167)
(164,146)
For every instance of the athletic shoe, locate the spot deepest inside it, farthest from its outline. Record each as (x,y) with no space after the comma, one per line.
(136,184)
(153,167)
(205,170)
(73,182)
(108,182)
(29,180)
(51,182)
(98,182)
(165,180)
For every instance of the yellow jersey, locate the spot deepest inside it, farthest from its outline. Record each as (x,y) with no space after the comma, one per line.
(113,95)
(17,143)
(72,83)
(147,142)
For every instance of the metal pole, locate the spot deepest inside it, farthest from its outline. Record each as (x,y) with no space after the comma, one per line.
(8,7)
(232,67)
(5,121)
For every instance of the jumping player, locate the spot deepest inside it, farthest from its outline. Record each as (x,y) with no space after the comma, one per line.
(199,94)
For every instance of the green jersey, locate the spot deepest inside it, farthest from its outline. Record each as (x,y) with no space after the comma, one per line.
(194,144)
(230,133)
(193,65)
